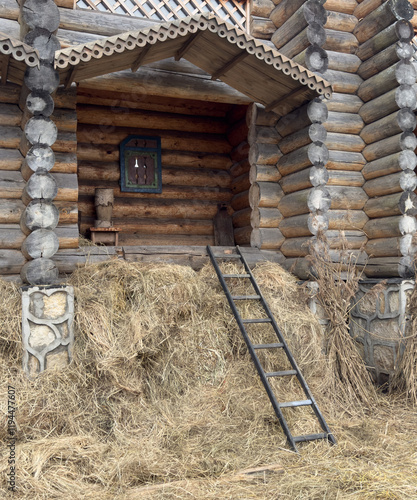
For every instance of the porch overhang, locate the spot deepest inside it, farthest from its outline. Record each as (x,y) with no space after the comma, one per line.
(223,51)
(15,56)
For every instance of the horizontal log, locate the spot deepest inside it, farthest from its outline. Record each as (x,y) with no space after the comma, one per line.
(340,21)
(340,41)
(135,207)
(391,145)
(340,61)
(384,59)
(242,218)
(169,239)
(267,238)
(240,168)
(261,8)
(303,137)
(402,73)
(264,173)
(93,139)
(256,115)
(383,247)
(265,217)
(10,115)
(390,164)
(284,10)
(400,31)
(382,267)
(295,227)
(263,135)
(10,159)
(153,82)
(365,7)
(217,195)
(295,203)
(240,184)
(344,103)
(386,227)
(314,112)
(299,266)
(96,115)
(296,247)
(349,123)
(240,201)
(347,219)
(242,235)
(260,27)
(345,160)
(304,179)
(347,198)
(345,240)
(11,261)
(389,184)
(11,211)
(12,237)
(346,6)
(315,154)
(265,194)
(345,178)
(344,142)
(160,226)
(403,120)
(382,17)
(397,98)
(299,43)
(264,154)
(383,206)
(10,137)
(344,82)
(240,152)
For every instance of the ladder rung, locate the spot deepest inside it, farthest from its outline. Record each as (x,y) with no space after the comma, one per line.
(260,320)
(294,404)
(266,346)
(246,297)
(310,437)
(227,256)
(281,374)
(236,275)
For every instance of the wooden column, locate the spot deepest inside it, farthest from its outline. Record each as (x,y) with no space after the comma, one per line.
(39,21)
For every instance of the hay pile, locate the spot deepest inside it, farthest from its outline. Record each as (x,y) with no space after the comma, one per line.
(162,390)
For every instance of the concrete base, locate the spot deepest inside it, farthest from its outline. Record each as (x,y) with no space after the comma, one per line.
(47,328)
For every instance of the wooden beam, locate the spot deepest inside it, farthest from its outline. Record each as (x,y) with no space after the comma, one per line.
(4,69)
(293,93)
(71,77)
(187,45)
(138,62)
(224,69)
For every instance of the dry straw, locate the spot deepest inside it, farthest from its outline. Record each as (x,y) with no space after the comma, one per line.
(161,391)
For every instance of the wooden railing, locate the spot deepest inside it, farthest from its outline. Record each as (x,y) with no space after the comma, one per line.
(233,11)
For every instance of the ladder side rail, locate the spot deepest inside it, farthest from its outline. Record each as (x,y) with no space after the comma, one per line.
(290,357)
(252,352)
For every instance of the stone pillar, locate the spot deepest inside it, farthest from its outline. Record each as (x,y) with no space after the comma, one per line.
(47,328)
(378,323)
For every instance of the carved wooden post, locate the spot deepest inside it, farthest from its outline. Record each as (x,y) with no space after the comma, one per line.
(39,21)
(47,310)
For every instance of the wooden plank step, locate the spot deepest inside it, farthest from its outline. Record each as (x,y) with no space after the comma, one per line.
(246,297)
(267,346)
(310,437)
(281,374)
(236,275)
(260,320)
(294,404)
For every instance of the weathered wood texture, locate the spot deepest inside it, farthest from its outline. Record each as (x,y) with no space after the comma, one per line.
(196,173)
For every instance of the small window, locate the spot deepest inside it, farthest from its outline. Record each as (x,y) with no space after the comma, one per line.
(140,164)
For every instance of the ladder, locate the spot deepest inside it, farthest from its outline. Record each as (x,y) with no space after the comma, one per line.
(281,344)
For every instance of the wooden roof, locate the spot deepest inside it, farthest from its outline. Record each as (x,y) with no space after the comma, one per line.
(15,56)
(222,50)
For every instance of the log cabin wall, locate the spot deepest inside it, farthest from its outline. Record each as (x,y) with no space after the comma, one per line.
(196,164)
(305,199)
(384,34)
(265,192)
